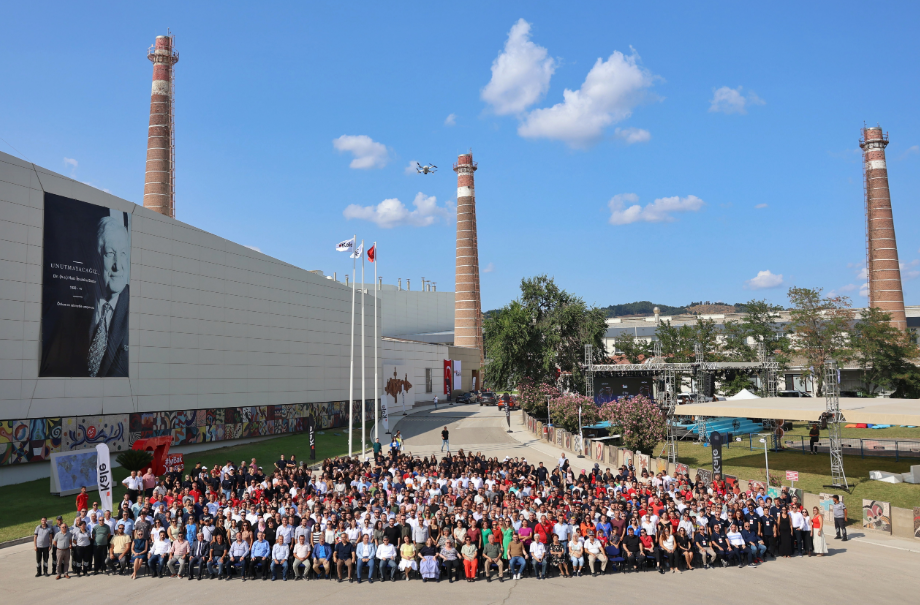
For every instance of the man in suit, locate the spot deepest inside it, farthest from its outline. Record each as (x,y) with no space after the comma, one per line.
(198,553)
(91,339)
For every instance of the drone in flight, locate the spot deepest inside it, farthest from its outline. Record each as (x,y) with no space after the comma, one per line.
(426,169)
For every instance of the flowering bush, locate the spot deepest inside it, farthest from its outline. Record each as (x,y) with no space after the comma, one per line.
(533,396)
(639,421)
(564,411)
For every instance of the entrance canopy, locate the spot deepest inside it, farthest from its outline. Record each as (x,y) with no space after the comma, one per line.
(854,409)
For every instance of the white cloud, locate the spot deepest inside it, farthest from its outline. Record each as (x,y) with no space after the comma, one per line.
(412,168)
(520,74)
(72,163)
(450,120)
(393,213)
(910,151)
(760,206)
(608,95)
(659,211)
(633,135)
(368,153)
(907,273)
(252,248)
(764,280)
(489,268)
(731,100)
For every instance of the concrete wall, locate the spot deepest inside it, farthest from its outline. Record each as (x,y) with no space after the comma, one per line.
(212,323)
(412,312)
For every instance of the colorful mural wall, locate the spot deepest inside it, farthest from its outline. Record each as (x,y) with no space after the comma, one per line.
(24,441)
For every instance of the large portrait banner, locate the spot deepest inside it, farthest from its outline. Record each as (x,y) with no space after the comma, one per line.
(86,271)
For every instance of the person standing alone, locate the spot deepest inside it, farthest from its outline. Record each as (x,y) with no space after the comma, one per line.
(445,440)
(813,435)
(840,517)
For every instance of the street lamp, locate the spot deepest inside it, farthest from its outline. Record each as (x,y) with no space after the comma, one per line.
(766,457)
(581,436)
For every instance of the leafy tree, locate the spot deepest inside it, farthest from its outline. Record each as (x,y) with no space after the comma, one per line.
(676,342)
(884,353)
(705,334)
(564,411)
(640,422)
(820,328)
(542,336)
(735,381)
(632,348)
(533,397)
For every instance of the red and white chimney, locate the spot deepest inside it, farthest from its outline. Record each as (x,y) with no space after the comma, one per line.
(159,182)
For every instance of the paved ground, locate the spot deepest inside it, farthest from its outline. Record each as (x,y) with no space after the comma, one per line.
(865,569)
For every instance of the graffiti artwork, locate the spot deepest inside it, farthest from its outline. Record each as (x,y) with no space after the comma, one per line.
(877,515)
(682,469)
(825,502)
(86,432)
(917,522)
(704,476)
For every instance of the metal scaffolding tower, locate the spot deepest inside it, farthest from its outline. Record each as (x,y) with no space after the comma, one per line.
(670,399)
(589,371)
(834,419)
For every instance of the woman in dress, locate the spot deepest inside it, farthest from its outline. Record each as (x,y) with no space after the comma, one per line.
(428,566)
(817,533)
(557,557)
(139,549)
(407,553)
(785,534)
(507,535)
(685,547)
(807,541)
(378,533)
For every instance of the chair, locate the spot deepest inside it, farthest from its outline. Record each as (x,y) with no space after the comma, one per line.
(239,566)
(613,556)
(648,560)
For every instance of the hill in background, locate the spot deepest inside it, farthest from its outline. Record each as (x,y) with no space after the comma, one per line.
(644,307)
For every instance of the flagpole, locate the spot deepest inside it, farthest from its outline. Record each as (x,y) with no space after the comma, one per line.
(376,383)
(351,370)
(363,365)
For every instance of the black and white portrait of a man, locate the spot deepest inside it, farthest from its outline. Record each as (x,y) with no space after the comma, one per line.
(85,289)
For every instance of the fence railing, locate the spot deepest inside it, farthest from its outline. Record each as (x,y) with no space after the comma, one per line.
(896,448)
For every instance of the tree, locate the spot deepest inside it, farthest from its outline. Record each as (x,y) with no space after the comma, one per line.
(631,348)
(639,420)
(533,397)
(564,411)
(884,353)
(676,342)
(135,460)
(542,337)
(820,327)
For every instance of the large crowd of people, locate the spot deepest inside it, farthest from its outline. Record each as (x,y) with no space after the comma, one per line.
(397,516)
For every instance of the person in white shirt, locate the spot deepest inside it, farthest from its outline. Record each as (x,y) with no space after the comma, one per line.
(159,554)
(539,558)
(301,558)
(595,552)
(386,557)
(798,528)
(736,543)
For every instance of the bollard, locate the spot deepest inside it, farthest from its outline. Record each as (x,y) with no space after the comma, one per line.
(896,453)
(862,454)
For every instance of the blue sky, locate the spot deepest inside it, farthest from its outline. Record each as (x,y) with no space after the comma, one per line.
(649,175)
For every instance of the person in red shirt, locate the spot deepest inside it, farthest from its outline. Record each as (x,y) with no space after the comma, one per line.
(82,499)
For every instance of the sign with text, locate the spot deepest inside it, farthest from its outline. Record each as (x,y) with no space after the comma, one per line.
(715,444)
(792,475)
(174,461)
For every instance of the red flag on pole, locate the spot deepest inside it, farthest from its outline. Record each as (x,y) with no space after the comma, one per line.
(372,253)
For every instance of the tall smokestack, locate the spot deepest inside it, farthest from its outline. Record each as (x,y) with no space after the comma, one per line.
(882,264)
(159,184)
(467,303)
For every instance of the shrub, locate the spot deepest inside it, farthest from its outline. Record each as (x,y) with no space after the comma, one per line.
(639,420)
(564,411)
(135,460)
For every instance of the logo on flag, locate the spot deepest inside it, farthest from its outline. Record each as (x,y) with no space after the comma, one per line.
(346,246)
(372,253)
(358,251)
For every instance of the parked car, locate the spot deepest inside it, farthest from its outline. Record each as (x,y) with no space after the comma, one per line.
(792,394)
(469,397)
(486,398)
(509,400)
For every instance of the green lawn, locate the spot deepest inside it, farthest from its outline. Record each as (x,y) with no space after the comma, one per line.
(894,432)
(32,500)
(814,472)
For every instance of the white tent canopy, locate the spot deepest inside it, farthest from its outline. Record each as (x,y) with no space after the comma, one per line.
(743,394)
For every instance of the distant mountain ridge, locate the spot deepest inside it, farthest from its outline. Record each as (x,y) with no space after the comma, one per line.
(645,307)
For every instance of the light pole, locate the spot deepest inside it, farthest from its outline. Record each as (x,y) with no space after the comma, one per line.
(766,457)
(581,437)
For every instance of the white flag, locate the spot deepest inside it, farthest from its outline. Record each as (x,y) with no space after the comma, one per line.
(346,246)
(358,251)
(104,476)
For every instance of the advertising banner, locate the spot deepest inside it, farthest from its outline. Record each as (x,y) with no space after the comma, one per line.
(457,382)
(715,444)
(448,377)
(397,387)
(86,273)
(104,476)
(175,462)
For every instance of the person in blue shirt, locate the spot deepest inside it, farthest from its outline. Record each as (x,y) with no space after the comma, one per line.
(322,555)
(259,556)
(768,534)
(755,545)
(720,545)
(365,554)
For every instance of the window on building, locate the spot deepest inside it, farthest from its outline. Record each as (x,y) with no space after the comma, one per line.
(429,385)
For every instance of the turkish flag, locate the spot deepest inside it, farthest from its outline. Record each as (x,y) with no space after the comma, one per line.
(372,253)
